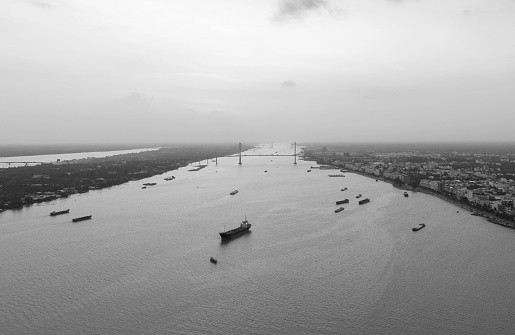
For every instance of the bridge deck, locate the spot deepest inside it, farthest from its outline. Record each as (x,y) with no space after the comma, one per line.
(264,155)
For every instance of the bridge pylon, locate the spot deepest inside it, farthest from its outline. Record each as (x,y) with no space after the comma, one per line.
(295,154)
(240,154)
(273,155)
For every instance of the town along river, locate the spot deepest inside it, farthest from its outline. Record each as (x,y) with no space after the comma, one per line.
(141,264)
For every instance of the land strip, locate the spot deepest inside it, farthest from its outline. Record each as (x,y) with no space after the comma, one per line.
(20,186)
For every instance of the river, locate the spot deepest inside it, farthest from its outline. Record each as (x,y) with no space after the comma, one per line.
(141,264)
(64,157)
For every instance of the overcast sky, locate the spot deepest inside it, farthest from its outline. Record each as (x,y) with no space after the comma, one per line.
(256,70)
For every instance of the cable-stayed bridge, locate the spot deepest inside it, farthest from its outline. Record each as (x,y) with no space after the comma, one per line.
(239,155)
(268,155)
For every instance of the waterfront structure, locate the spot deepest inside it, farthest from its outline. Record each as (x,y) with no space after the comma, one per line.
(484,181)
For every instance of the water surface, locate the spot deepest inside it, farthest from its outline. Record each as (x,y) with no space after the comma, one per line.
(141,265)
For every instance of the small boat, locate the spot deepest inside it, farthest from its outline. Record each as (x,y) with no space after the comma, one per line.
(344,189)
(150,184)
(339,202)
(377,180)
(476,214)
(339,210)
(406,194)
(82,218)
(364,201)
(358,196)
(233,192)
(309,170)
(54,213)
(144,187)
(417,228)
(266,171)
(213,260)
(170,178)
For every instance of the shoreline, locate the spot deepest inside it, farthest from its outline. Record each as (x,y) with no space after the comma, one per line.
(10,151)
(26,185)
(488,216)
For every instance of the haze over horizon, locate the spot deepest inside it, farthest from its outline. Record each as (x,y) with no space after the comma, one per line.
(161,71)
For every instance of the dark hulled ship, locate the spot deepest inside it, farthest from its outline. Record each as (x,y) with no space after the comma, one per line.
(54,213)
(364,201)
(82,218)
(417,228)
(242,229)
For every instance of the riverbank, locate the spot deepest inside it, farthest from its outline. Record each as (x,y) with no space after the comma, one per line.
(16,150)
(26,185)
(488,216)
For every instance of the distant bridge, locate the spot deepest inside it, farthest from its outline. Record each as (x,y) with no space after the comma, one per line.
(271,155)
(239,155)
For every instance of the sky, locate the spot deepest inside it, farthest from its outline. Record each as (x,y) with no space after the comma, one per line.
(168,71)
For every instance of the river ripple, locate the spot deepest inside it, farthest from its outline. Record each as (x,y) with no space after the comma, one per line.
(141,265)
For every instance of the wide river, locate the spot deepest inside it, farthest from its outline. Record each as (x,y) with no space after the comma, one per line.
(63,157)
(141,264)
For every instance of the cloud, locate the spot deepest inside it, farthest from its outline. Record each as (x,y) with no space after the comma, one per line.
(40,4)
(296,9)
(289,84)
(133,105)
(135,99)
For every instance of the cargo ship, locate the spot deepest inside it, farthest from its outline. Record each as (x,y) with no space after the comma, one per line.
(417,228)
(233,192)
(339,202)
(54,213)
(364,201)
(82,218)
(242,229)
(339,210)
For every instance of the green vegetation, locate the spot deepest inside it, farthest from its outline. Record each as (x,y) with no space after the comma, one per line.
(26,185)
